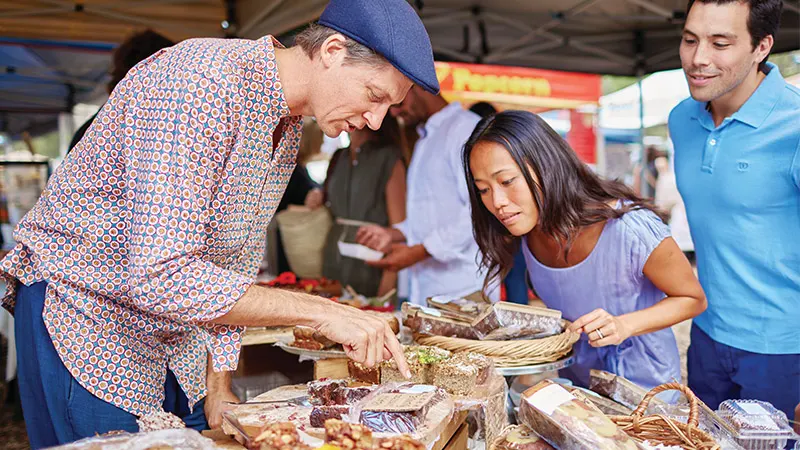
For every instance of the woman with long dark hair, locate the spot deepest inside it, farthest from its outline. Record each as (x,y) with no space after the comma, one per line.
(594,250)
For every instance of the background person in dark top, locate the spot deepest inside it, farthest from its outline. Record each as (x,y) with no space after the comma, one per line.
(137,48)
(516,281)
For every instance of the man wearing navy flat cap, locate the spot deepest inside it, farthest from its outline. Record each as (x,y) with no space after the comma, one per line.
(133,276)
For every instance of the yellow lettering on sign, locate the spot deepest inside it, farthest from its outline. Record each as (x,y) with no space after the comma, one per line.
(465,80)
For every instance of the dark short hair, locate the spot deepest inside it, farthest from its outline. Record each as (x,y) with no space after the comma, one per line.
(568,194)
(483,109)
(764,20)
(137,48)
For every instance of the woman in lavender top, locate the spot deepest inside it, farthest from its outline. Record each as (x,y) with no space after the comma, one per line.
(594,250)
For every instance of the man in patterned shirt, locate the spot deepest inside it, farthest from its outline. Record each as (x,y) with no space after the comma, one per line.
(133,275)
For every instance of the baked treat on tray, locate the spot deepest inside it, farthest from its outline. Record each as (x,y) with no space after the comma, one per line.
(457,375)
(320,414)
(398,442)
(348,436)
(520,437)
(279,436)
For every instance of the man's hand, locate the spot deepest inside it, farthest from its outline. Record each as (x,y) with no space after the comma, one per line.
(219,392)
(366,339)
(314,198)
(601,328)
(375,237)
(400,257)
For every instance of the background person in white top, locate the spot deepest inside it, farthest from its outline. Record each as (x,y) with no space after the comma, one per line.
(435,241)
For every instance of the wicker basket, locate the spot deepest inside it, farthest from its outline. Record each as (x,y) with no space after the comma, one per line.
(506,354)
(663,430)
(303,233)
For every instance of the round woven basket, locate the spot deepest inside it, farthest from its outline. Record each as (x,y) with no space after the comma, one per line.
(659,429)
(515,353)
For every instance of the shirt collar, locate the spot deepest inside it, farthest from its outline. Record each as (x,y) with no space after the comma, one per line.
(437,119)
(278,105)
(756,109)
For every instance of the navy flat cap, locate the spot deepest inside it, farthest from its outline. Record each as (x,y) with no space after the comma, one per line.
(391,28)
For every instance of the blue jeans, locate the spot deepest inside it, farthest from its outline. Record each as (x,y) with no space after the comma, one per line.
(57,409)
(516,286)
(718,372)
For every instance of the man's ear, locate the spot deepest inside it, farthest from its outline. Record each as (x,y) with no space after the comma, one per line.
(333,50)
(764,48)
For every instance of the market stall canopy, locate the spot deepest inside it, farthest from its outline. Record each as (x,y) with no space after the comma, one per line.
(620,37)
(40,79)
(623,37)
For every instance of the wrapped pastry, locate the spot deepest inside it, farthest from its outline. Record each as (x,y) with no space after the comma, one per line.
(467,310)
(325,391)
(455,375)
(435,322)
(320,414)
(509,320)
(519,437)
(483,363)
(569,423)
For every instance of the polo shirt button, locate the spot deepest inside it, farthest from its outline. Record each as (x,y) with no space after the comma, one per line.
(713,142)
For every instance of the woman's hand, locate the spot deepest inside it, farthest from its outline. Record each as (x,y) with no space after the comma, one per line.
(315,198)
(601,328)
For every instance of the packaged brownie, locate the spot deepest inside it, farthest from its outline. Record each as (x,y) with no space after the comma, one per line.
(513,320)
(569,423)
(483,363)
(320,414)
(422,320)
(421,411)
(519,437)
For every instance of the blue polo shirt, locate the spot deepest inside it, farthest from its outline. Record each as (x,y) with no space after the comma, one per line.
(741,185)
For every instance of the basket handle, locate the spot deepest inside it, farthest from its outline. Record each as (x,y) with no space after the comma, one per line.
(693,408)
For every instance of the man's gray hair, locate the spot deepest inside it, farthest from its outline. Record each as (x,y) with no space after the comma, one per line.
(312,38)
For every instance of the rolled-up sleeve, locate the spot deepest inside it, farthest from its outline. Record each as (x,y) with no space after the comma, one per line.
(175,163)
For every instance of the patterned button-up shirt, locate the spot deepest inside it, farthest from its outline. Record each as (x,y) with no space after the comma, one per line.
(155,224)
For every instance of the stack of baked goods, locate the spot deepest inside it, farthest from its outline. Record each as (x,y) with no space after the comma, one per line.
(457,373)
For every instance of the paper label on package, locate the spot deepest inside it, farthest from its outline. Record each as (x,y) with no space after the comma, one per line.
(430,311)
(753,408)
(399,402)
(419,389)
(441,299)
(549,398)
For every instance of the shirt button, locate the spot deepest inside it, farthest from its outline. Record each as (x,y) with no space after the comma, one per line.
(713,142)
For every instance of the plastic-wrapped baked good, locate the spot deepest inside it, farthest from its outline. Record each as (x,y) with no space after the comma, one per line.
(483,363)
(520,437)
(325,391)
(518,321)
(422,411)
(159,420)
(434,322)
(184,439)
(320,414)
(420,358)
(456,375)
(568,423)
(619,389)
(399,442)
(757,425)
(348,436)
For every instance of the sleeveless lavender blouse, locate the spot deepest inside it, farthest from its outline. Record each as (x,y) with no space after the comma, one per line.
(611,278)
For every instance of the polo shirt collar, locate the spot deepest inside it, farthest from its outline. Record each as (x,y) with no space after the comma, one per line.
(756,109)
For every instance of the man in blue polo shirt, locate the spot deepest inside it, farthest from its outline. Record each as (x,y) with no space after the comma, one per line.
(738,169)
